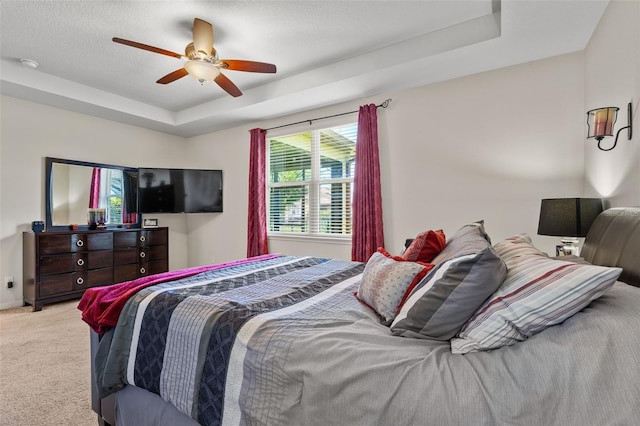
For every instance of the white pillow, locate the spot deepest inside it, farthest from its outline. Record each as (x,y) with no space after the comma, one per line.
(538,292)
(385,281)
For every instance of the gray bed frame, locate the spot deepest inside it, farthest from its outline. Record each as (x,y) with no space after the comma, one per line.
(105,407)
(613,240)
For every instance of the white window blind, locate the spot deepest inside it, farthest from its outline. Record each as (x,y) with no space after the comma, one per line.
(310,181)
(112,192)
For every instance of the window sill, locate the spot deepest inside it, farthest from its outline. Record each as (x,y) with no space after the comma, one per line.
(322,239)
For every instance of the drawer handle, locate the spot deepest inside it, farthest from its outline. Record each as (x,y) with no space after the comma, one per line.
(142,270)
(143,254)
(79,243)
(143,238)
(80,262)
(80,281)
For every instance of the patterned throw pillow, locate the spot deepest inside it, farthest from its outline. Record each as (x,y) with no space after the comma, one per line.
(441,303)
(385,281)
(425,246)
(537,293)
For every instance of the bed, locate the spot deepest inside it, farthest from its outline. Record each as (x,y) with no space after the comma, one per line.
(282,340)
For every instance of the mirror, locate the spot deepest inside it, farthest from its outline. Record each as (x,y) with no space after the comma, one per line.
(75,187)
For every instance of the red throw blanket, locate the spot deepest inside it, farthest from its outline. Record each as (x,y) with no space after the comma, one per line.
(101,306)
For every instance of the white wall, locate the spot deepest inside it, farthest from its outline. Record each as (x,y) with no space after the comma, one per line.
(488,146)
(29,133)
(220,237)
(612,63)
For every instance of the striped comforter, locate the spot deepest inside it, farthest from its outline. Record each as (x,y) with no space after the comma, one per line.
(284,341)
(176,339)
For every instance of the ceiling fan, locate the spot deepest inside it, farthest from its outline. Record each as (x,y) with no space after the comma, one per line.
(202,61)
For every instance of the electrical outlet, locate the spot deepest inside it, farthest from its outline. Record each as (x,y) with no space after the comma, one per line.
(9,281)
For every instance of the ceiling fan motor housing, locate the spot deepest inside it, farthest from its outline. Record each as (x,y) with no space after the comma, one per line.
(191,54)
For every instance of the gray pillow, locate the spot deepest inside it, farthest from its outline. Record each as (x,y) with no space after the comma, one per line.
(448,296)
(469,239)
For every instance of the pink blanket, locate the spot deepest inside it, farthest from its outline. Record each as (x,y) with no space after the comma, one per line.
(101,306)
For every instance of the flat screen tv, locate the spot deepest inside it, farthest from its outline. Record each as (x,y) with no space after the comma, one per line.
(179,191)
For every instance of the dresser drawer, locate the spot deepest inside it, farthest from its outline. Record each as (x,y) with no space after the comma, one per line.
(60,263)
(136,255)
(99,277)
(99,259)
(153,237)
(57,244)
(72,243)
(153,253)
(147,237)
(126,256)
(124,273)
(125,239)
(133,271)
(156,267)
(59,283)
(51,285)
(99,241)
(56,264)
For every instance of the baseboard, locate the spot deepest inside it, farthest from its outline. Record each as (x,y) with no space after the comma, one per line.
(9,305)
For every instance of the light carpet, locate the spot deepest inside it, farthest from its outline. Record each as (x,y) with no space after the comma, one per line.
(45,367)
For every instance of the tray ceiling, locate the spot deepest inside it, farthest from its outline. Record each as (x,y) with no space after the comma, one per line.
(326,52)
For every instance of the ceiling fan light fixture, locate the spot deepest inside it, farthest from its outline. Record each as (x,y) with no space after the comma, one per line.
(202,70)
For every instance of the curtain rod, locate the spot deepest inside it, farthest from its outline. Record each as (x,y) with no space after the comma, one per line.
(382,105)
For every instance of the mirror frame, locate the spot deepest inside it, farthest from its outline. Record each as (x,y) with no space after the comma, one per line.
(50,161)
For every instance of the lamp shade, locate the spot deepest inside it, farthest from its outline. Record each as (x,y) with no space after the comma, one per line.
(202,70)
(568,217)
(600,122)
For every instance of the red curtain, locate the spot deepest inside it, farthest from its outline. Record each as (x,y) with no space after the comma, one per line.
(367,234)
(94,191)
(257,243)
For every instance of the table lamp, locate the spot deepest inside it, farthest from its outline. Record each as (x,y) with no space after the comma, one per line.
(568,218)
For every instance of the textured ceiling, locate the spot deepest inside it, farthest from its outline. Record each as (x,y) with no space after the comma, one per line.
(326,52)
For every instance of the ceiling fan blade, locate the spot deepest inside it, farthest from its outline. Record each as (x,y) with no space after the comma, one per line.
(250,66)
(173,76)
(228,86)
(202,36)
(147,47)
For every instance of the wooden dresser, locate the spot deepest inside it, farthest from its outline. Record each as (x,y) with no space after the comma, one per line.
(60,265)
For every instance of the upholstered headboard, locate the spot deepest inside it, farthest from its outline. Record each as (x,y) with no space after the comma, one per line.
(614,240)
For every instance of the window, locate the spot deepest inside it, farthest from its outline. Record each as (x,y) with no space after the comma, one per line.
(310,182)
(111,194)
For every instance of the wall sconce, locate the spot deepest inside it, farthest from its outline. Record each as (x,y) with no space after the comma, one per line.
(600,123)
